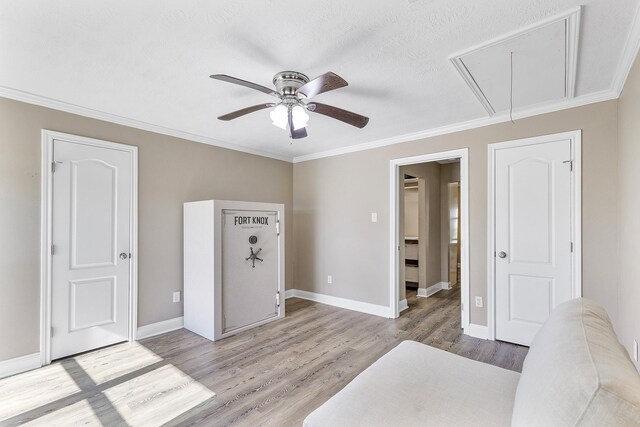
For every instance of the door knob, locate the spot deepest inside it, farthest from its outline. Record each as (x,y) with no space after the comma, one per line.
(502,254)
(124,255)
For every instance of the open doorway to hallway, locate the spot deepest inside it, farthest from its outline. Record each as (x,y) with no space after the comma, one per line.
(440,170)
(429,227)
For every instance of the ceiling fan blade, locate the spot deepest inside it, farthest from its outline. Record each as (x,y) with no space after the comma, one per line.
(324,83)
(299,133)
(348,117)
(294,133)
(244,111)
(234,80)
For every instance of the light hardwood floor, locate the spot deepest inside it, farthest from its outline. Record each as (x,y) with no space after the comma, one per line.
(273,375)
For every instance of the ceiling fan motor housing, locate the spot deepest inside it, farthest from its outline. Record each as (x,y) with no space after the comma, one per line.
(288,82)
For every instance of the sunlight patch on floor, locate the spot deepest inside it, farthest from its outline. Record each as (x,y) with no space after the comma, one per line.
(78,414)
(156,397)
(116,361)
(30,390)
(152,399)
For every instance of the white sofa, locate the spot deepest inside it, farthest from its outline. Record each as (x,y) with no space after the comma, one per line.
(576,373)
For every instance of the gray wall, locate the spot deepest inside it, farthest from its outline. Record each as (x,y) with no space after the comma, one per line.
(449,172)
(171,171)
(629,211)
(429,250)
(334,196)
(411,219)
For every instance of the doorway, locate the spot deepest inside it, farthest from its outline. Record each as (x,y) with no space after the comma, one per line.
(89,208)
(438,272)
(429,222)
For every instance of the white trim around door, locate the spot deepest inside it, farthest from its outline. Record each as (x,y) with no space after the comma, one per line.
(394,231)
(46,229)
(576,213)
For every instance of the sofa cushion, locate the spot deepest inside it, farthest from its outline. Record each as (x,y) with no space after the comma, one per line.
(418,385)
(577,373)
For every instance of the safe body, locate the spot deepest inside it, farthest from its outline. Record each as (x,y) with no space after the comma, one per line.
(233,266)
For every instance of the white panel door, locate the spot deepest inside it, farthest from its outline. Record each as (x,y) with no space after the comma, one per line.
(249,286)
(91,236)
(532,236)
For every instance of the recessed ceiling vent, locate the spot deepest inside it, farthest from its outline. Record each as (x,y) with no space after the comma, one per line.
(535,65)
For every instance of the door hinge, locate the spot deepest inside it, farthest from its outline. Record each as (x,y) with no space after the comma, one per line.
(462,306)
(278,298)
(278,228)
(53,249)
(51,331)
(571,246)
(53,165)
(570,164)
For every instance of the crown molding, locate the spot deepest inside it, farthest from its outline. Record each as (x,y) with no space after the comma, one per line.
(42,101)
(629,54)
(471,124)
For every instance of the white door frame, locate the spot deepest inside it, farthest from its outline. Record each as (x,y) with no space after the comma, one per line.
(394,170)
(46,231)
(576,213)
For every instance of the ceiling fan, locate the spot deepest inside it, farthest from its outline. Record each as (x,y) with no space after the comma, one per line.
(292,90)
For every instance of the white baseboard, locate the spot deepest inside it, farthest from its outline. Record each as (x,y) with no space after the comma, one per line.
(349,304)
(19,364)
(403,305)
(477,331)
(425,293)
(158,328)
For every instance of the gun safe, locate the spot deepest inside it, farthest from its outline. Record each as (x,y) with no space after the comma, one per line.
(233,266)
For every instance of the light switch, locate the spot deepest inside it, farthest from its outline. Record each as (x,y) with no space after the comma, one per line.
(374,217)
(479,302)
(176,296)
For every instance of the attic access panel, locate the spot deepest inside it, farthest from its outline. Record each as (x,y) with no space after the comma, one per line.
(544,65)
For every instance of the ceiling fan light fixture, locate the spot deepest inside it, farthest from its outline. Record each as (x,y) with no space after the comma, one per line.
(279,116)
(299,116)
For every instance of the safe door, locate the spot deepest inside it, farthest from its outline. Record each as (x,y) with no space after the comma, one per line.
(249,267)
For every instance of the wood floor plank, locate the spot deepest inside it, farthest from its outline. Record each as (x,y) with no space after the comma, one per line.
(274,375)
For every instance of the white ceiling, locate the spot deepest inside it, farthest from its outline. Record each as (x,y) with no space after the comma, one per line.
(149,61)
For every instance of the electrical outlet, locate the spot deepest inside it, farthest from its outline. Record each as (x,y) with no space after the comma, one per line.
(635,350)
(329,279)
(176,296)
(374,217)
(479,302)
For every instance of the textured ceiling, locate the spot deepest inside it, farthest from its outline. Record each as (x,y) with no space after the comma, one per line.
(150,60)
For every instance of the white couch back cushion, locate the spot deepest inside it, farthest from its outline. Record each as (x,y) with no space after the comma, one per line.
(577,373)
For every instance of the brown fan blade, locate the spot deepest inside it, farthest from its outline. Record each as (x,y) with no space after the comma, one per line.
(244,111)
(339,114)
(295,133)
(244,83)
(299,133)
(324,83)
